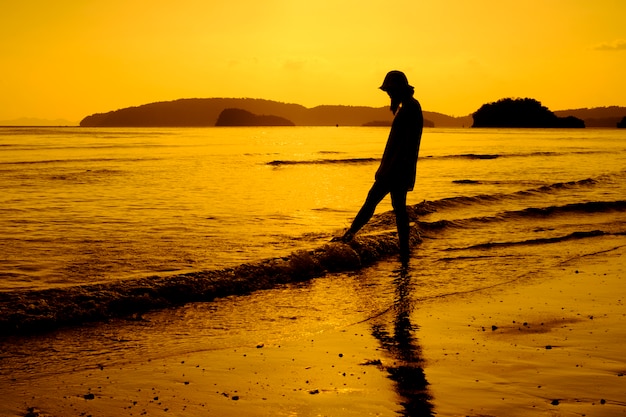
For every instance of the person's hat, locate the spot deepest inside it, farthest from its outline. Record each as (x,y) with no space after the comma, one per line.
(395,80)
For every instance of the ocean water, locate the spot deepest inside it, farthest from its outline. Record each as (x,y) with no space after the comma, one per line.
(84,206)
(101,223)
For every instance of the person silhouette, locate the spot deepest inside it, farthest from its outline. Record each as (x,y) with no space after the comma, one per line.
(396,173)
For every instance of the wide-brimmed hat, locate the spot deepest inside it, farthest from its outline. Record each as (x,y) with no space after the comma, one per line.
(395,80)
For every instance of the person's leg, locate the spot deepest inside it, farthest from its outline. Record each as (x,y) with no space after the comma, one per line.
(398,201)
(374,196)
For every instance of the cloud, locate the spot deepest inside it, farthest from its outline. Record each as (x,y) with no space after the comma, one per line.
(618,45)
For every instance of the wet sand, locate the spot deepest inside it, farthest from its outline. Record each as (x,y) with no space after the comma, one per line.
(550,346)
(550,343)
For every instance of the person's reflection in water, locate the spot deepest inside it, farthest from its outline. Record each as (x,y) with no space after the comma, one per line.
(406,370)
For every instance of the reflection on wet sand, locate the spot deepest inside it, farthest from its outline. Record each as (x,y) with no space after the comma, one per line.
(398,339)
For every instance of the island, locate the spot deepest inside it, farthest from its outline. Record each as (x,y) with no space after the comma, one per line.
(521,113)
(622,123)
(387,123)
(239,117)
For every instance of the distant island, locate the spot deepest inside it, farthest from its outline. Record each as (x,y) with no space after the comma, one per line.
(204,112)
(521,113)
(387,123)
(239,117)
(597,116)
(622,123)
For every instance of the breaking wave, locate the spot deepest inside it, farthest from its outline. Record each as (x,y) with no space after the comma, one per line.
(324,161)
(466,156)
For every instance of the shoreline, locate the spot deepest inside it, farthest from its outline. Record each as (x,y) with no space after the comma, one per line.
(29,312)
(549,344)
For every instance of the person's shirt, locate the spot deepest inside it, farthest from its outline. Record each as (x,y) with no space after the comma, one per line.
(398,165)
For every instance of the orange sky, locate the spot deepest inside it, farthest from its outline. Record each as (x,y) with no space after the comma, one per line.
(68,59)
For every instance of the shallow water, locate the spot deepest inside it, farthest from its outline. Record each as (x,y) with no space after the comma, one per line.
(95,205)
(84,206)
(162,216)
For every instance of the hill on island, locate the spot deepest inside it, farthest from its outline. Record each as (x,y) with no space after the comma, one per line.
(201,112)
(521,112)
(596,117)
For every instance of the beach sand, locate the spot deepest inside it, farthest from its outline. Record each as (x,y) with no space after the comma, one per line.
(548,344)
(552,346)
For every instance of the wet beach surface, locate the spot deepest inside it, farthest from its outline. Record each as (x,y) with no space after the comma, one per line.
(535,330)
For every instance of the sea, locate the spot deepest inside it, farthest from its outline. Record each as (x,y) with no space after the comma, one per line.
(86,206)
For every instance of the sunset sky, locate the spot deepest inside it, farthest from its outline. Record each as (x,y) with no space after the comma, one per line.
(68,59)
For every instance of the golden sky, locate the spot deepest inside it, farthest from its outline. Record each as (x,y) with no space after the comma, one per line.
(68,59)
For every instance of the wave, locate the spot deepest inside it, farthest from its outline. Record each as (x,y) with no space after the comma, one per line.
(468,156)
(529,212)
(513,155)
(588,207)
(451,202)
(541,241)
(331,210)
(31,311)
(279,162)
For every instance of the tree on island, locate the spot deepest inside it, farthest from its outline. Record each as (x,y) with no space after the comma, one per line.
(521,112)
(622,123)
